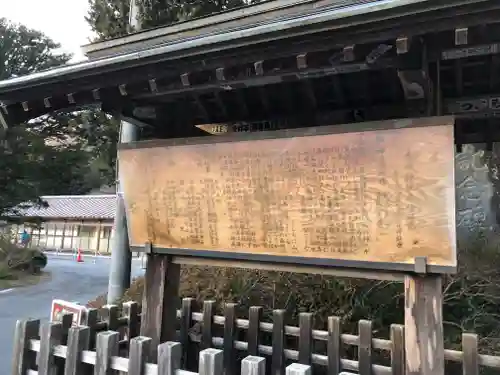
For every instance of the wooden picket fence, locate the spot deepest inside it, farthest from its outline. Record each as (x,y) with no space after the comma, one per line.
(110,340)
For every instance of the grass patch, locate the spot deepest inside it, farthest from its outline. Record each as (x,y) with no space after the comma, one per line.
(20,266)
(18,279)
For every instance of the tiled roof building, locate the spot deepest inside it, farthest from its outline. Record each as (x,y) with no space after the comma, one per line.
(99,207)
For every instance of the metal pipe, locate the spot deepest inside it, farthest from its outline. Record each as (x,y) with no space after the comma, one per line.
(121,257)
(193,43)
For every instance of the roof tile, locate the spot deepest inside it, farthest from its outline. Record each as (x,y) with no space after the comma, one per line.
(74,207)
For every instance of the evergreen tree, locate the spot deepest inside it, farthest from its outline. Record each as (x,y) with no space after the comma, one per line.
(110,18)
(57,154)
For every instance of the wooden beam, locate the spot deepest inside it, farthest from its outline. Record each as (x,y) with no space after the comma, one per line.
(494,71)
(243,105)
(264,99)
(311,96)
(338,91)
(424,342)
(459,81)
(273,77)
(160,300)
(308,87)
(201,107)
(220,103)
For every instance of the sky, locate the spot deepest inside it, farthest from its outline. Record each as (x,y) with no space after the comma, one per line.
(61,20)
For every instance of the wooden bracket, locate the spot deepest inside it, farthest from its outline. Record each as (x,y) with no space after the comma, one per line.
(96,94)
(461,36)
(220,74)
(148,248)
(402,45)
(259,68)
(348,52)
(123,89)
(301,61)
(421,265)
(153,86)
(185,80)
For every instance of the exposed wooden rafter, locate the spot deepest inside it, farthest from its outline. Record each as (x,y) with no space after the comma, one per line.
(308,87)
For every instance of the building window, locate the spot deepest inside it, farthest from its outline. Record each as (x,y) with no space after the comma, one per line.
(106,232)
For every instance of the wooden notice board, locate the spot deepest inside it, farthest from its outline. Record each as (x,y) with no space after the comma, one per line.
(374,195)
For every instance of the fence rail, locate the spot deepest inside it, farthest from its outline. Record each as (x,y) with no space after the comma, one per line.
(106,358)
(278,343)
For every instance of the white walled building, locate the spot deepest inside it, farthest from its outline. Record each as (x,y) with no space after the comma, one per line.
(70,222)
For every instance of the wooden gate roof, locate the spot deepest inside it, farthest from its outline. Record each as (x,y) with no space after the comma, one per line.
(368,61)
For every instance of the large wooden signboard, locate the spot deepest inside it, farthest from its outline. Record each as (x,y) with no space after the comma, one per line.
(331,196)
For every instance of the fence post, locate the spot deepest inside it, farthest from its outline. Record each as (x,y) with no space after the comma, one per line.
(91,319)
(211,362)
(106,347)
(298,369)
(229,338)
(160,299)
(333,346)
(110,316)
(424,351)
(208,319)
(305,338)
(78,341)
(169,358)
(185,325)
(365,347)
(23,358)
(397,349)
(253,365)
(50,336)
(139,354)
(278,343)
(471,355)
(253,332)
(131,312)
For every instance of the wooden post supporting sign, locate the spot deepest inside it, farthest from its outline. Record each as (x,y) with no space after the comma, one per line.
(424,352)
(160,299)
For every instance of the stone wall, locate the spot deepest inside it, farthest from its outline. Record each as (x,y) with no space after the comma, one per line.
(477,194)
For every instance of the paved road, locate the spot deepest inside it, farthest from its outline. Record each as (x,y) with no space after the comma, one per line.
(71,281)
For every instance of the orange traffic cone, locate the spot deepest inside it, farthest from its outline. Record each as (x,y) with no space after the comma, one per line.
(79,257)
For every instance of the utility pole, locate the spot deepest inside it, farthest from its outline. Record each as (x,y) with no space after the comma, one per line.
(121,257)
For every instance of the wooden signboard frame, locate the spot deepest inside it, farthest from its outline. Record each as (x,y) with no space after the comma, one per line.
(421,262)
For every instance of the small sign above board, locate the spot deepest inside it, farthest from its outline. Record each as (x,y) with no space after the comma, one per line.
(376,195)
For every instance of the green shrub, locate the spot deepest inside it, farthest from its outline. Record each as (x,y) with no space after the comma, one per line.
(471,297)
